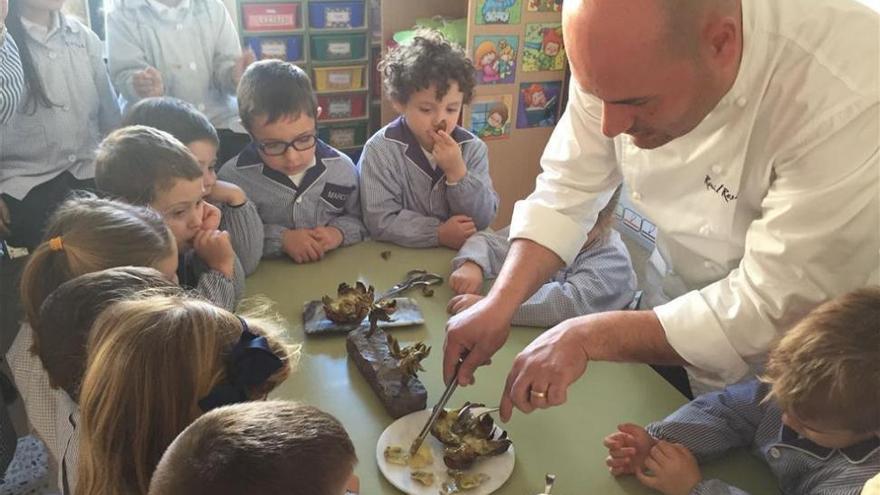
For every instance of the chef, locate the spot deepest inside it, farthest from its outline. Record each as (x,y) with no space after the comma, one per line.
(747,131)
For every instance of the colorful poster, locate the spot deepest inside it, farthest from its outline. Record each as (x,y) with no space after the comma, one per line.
(495,59)
(544,5)
(538,104)
(543,48)
(490,117)
(498,11)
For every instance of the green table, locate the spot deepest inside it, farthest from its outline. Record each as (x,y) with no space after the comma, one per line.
(566,440)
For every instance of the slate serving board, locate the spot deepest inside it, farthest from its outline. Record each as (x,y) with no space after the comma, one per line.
(315,321)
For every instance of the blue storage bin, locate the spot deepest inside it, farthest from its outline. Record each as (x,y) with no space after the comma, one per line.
(289,48)
(336,15)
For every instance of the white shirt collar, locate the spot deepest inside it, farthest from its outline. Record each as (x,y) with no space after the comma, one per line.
(166,12)
(42,33)
(297,178)
(430,157)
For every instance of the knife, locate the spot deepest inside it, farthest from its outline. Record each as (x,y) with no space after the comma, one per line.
(436,412)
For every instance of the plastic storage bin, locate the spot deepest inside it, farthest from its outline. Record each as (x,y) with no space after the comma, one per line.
(288,48)
(348,135)
(336,15)
(339,78)
(337,47)
(343,106)
(271,16)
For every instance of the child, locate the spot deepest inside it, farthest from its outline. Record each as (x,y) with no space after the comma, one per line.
(814,417)
(85,235)
(238,215)
(188,49)
(146,166)
(259,447)
(155,364)
(600,278)
(60,340)
(47,145)
(495,122)
(424,180)
(306,192)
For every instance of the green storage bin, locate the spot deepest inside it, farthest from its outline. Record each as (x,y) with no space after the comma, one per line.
(342,136)
(338,47)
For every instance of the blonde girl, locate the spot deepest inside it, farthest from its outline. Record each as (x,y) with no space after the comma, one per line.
(155,365)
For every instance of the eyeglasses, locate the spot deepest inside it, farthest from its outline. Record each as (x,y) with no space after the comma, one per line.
(278,148)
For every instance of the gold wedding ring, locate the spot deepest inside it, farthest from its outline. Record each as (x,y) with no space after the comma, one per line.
(540,395)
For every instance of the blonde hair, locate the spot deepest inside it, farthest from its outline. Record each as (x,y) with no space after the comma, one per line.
(828,366)
(88,234)
(483,49)
(150,362)
(258,447)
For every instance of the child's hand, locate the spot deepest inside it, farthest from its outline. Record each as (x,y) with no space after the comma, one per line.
(467,279)
(227,193)
(674,470)
(448,155)
(210,217)
(453,232)
(214,248)
(247,58)
(628,448)
(462,302)
(148,82)
(329,237)
(302,245)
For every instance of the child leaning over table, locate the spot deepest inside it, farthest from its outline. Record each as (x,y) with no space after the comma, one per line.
(601,278)
(814,417)
(259,447)
(424,180)
(306,192)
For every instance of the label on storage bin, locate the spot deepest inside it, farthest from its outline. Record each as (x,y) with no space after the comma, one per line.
(339,48)
(339,78)
(273,49)
(342,138)
(340,108)
(271,19)
(337,18)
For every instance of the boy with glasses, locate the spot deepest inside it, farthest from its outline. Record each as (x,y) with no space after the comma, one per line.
(305,191)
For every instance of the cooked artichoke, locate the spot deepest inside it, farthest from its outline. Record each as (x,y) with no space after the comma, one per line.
(422,477)
(467,436)
(408,358)
(422,458)
(396,454)
(461,482)
(352,304)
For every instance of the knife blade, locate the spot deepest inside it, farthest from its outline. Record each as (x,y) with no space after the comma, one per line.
(436,412)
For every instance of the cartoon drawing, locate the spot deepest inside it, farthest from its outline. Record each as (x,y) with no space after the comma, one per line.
(499,11)
(544,48)
(490,116)
(495,59)
(544,6)
(538,104)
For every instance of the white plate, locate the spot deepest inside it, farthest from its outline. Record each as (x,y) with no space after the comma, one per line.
(403,431)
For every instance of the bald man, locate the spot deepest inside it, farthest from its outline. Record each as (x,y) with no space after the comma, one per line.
(747,131)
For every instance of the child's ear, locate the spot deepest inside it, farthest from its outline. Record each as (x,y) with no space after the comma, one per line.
(318,113)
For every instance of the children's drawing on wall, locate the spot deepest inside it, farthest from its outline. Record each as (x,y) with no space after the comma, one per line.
(495,59)
(544,5)
(490,116)
(543,48)
(538,104)
(498,11)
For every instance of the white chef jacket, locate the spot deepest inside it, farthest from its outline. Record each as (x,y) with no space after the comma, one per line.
(767,208)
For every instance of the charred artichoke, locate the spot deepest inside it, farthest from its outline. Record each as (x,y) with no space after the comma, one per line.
(467,436)
(352,304)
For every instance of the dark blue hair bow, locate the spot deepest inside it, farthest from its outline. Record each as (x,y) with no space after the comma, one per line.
(251,363)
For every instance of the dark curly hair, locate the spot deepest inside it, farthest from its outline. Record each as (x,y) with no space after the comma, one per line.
(429,59)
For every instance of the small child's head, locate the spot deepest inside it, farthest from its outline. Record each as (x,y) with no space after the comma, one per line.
(145,166)
(428,82)
(534,96)
(87,234)
(68,313)
(551,41)
(498,116)
(157,363)
(485,53)
(186,124)
(258,447)
(278,108)
(825,372)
